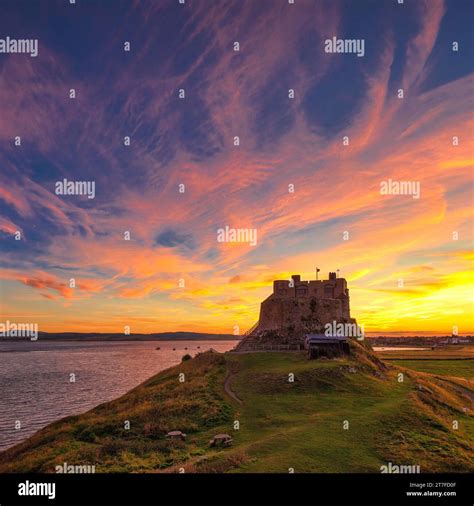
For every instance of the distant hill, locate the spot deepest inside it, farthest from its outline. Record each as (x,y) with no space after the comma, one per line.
(160,336)
(347,415)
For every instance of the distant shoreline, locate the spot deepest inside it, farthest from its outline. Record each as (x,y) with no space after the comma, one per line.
(375,340)
(96,336)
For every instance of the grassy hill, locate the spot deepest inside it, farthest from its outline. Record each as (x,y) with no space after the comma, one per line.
(283,424)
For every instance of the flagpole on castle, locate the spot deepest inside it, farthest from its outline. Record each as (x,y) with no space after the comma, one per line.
(317,270)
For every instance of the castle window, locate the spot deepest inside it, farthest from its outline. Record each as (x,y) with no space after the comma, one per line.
(301,291)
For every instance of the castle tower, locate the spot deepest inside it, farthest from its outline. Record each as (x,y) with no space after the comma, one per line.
(297,308)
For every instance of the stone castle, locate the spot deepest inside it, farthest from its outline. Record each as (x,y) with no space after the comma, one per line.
(297,308)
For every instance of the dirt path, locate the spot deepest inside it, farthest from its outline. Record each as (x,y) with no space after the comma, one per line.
(228,389)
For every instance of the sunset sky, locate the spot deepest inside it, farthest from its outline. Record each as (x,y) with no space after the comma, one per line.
(190,141)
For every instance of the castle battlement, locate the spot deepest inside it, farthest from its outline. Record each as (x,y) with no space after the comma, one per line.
(331,288)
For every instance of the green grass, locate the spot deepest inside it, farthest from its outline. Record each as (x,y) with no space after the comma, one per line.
(283,424)
(455,351)
(300,424)
(457,368)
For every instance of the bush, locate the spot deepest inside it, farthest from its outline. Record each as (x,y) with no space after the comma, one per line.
(85,433)
(186,357)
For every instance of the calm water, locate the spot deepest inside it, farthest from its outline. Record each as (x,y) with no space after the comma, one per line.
(35,385)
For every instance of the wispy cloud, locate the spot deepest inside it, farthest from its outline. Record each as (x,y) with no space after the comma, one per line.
(283,142)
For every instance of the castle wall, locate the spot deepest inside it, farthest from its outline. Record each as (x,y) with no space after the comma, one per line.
(296,315)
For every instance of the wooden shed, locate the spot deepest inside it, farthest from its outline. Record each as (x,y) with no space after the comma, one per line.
(320,345)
